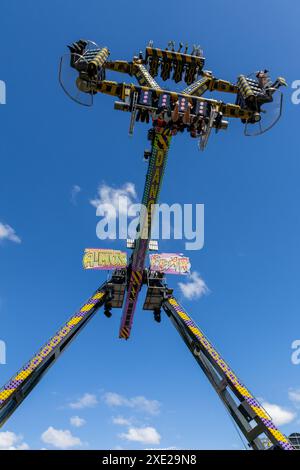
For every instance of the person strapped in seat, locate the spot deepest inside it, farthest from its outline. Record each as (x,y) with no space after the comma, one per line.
(162,115)
(199,121)
(144,102)
(181,115)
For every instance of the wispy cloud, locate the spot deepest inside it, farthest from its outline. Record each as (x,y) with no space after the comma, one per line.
(11,441)
(8,233)
(194,288)
(163,448)
(88,400)
(61,439)
(145,435)
(74,193)
(139,403)
(120,421)
(294,396)
(115,200)
(77,422)
(279,415)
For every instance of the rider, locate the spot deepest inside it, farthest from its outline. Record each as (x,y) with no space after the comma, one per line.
(179,123)
(263,78)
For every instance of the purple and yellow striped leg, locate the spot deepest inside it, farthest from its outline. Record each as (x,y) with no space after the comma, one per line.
(215,367)
(18,387)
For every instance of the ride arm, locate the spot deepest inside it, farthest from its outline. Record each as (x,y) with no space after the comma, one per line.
(121,90)
(121,66)
(208,82)
(20,385)
(143,76)
(136,69)
(249,415)
(160,145)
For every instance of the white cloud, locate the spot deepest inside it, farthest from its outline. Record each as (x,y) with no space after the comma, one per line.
(74,193)
(22,446)
(163,448)
(119,199)
(279,415)
(11,441)
(194,288)
(138,403)
(146,435)
(8,233)
(88,400)
(114,399)
(61,439)
(77,422)
(120,421)
(143,404)
(294,396)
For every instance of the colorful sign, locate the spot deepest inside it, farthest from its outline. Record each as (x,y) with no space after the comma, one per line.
(96,258)
(170,263)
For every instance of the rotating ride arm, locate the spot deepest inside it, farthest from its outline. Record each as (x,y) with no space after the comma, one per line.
(257,104)
(121,90)
(143,76)
(91,65)
(209,83)
(135,68)
(249,415)
(20,385)
(161,140)
(156,167)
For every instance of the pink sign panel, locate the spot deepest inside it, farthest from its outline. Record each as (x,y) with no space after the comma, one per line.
(170,263)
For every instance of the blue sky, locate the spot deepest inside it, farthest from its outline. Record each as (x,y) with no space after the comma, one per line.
(250,261)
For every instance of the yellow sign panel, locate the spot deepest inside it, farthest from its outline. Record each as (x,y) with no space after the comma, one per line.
(96,258)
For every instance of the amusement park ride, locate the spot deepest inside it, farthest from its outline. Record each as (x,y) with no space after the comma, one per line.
(258,105)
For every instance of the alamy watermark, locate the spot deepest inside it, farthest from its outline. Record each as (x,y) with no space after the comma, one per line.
(2,92)
(296,93)
(2,352)
(178,222)
(2,343)
(295,357)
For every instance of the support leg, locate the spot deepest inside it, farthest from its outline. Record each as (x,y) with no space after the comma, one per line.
(249,415)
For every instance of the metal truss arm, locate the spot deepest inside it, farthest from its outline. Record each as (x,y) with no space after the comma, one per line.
(20,385)
(120,89)
(143,76)
(156,167)
(121,66)
(249,415)
(135,68)
(210,83)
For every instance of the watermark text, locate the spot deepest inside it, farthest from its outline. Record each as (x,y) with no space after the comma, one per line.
(296,93)
(2,352)
(295,357)
(158,221)
(2,92)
